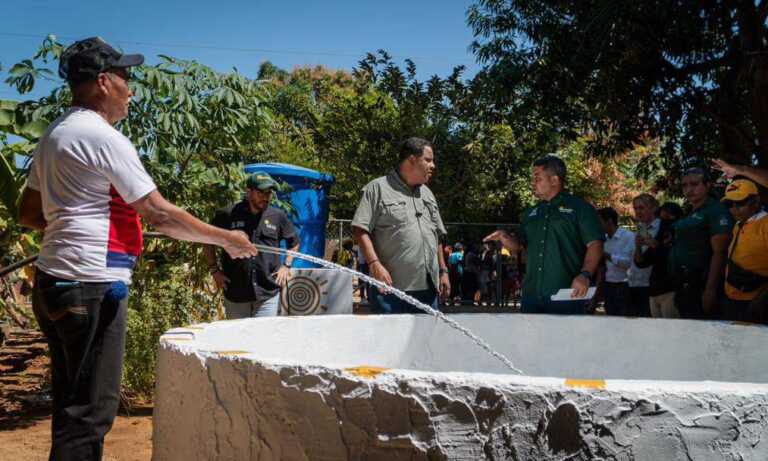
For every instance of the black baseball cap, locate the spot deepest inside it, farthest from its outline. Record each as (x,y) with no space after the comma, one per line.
(85,59)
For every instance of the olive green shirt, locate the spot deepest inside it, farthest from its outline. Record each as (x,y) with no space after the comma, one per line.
(405,227)
(691,247)
(556,235)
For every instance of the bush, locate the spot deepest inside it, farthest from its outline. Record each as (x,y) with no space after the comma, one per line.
(157,304)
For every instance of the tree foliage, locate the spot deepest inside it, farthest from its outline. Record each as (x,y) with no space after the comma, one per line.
(692,73)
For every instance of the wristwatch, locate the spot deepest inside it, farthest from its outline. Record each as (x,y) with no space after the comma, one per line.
(443,270)
(586,274)
(287,265)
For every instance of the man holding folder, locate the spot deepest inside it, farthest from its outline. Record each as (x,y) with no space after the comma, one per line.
(563,240)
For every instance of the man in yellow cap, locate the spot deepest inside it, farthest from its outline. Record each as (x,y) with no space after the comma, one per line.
(746,276)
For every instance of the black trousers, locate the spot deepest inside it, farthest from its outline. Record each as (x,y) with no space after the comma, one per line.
(615,297)
(638,302)
(86,337)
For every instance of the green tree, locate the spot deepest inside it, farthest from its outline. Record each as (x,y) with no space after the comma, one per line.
(693,73)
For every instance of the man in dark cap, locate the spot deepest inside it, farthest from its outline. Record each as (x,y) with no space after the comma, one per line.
(86,190)
(251,286)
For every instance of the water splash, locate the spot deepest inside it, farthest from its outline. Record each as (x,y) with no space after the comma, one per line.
(400,294)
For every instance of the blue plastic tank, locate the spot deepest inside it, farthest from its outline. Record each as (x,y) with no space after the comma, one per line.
(309,198)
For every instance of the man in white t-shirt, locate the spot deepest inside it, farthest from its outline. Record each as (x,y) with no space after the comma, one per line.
(85,191)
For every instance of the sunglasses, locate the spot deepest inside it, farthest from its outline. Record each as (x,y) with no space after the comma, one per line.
(739,203)
(121,72)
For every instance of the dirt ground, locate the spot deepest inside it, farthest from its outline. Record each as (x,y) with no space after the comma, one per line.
(25,408)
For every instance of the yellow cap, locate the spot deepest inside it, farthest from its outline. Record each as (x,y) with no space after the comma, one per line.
(739,190)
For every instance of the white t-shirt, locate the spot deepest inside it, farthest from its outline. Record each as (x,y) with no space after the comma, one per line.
(87,173)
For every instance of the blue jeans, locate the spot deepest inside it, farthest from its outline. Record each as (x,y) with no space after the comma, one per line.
(391,304)
(544,305)
(246,310)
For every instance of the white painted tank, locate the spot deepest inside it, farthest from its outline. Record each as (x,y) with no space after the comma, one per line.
(410,387)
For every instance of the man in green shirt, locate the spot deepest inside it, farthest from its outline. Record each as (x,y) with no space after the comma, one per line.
(698,254)
(563,240)
(398,227)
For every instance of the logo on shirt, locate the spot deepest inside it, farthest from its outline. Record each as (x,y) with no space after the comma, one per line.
(565,210)
(533,213)
(723,221)
(269,225)
(697,216)
(238,224)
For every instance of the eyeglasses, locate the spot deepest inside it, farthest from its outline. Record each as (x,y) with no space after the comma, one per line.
(739,203)
(121,72)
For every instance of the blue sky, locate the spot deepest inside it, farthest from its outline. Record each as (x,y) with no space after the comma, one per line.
(242,34)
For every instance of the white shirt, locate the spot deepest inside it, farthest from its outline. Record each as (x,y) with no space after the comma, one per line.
(87,173)
(621,247)
(636,276)
(360,255)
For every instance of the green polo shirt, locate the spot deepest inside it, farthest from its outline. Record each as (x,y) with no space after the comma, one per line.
(556,234)
(405,226)
(691,247)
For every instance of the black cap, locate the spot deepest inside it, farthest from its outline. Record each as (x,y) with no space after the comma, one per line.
(85,59)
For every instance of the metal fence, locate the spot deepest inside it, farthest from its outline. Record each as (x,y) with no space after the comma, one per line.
(467,233)
(501,296)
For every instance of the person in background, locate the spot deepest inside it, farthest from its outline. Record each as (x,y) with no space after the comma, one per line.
(617,253)
(471,276)
(645,207)
(486,267)
(456,271)
(563,239)
(399,229)
(698,254)
(345,256)
(362,267)
(652,252)
(746,273)
(252,286)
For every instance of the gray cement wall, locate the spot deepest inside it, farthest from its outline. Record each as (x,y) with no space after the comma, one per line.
(344,387)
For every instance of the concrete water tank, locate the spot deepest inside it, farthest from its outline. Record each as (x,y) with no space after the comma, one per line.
(310,200)
(411,388)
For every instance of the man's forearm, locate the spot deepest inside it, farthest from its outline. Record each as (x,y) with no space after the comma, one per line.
(179,224)
(31,210)
(175,222)
(441,256)
(593,256)
(289,258)
(363,239)
(757,175)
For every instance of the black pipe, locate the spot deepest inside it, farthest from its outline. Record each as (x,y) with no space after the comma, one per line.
(17,265)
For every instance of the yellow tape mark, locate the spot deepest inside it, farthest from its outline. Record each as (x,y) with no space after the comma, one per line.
(366,372)
(231,352)
(194,327)
(744,324)
(586,383)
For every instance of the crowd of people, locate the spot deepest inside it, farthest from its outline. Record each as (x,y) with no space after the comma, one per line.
(708,260)
(87,190)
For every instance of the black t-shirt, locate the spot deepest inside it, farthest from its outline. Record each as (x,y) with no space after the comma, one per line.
(250,279)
